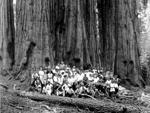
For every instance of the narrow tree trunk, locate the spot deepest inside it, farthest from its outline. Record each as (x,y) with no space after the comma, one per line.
(119,31)
(6,34)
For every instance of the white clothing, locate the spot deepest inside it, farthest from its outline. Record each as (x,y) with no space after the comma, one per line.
(96,80)
(49,75)
(48,89)
(80,77)
(54,71)
(41,72)
(113,86)
(33,76)
(108,82)
(112,89)
(90,78)
(94,71)
(58,79)
(41,75)
(50,80)
(43,78)
(66,88)
(57,67)
(71,80)
(121,88)
(55,79)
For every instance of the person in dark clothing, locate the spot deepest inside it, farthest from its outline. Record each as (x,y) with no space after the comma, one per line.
(85,80)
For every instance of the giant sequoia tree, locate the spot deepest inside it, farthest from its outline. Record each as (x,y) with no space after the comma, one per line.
(33,41)
(119,39)
(79,42)
(50,31)
(6,34)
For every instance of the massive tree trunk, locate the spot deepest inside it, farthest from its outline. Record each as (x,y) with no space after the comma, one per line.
(119,36)
(6,34)
(56,30)
(33,37)
(75,29)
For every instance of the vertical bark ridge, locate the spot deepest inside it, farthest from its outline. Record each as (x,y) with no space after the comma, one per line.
(7,35)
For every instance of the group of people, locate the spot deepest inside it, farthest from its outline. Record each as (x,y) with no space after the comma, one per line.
(65,81)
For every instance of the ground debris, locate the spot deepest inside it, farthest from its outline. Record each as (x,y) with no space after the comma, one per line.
(99,105)
(3,86)
(11,103)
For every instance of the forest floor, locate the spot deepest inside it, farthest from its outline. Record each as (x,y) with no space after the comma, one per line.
(12,103)
(8,102)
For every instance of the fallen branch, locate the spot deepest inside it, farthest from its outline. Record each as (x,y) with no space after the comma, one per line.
(47,107)
(123,96)
(4,86)
(88,96)
(17,107)
(97,105)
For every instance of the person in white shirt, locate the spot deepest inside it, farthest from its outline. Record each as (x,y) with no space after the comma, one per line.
(48,88)
(45,76)
(108,82)
(50,78)
(65,89)
(41,74)
(80,77)
(113,88)
(107,86)
(96,79)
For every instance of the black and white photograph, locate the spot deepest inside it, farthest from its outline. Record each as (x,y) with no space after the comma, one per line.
(74,56)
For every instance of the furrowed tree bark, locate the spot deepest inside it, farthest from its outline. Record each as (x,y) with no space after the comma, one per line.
(33,36)
(75,29)
(55,31)
(97,105)
(119,39)
(7,33)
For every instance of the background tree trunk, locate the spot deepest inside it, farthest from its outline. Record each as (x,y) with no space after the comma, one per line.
(33,37)
(6,34)
(119,36)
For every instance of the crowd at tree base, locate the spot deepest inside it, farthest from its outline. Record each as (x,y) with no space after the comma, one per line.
(92,104)
(72,82)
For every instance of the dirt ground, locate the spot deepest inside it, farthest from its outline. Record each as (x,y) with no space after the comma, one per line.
(11,103)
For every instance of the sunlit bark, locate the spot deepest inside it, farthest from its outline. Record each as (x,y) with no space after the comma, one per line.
(6,34)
